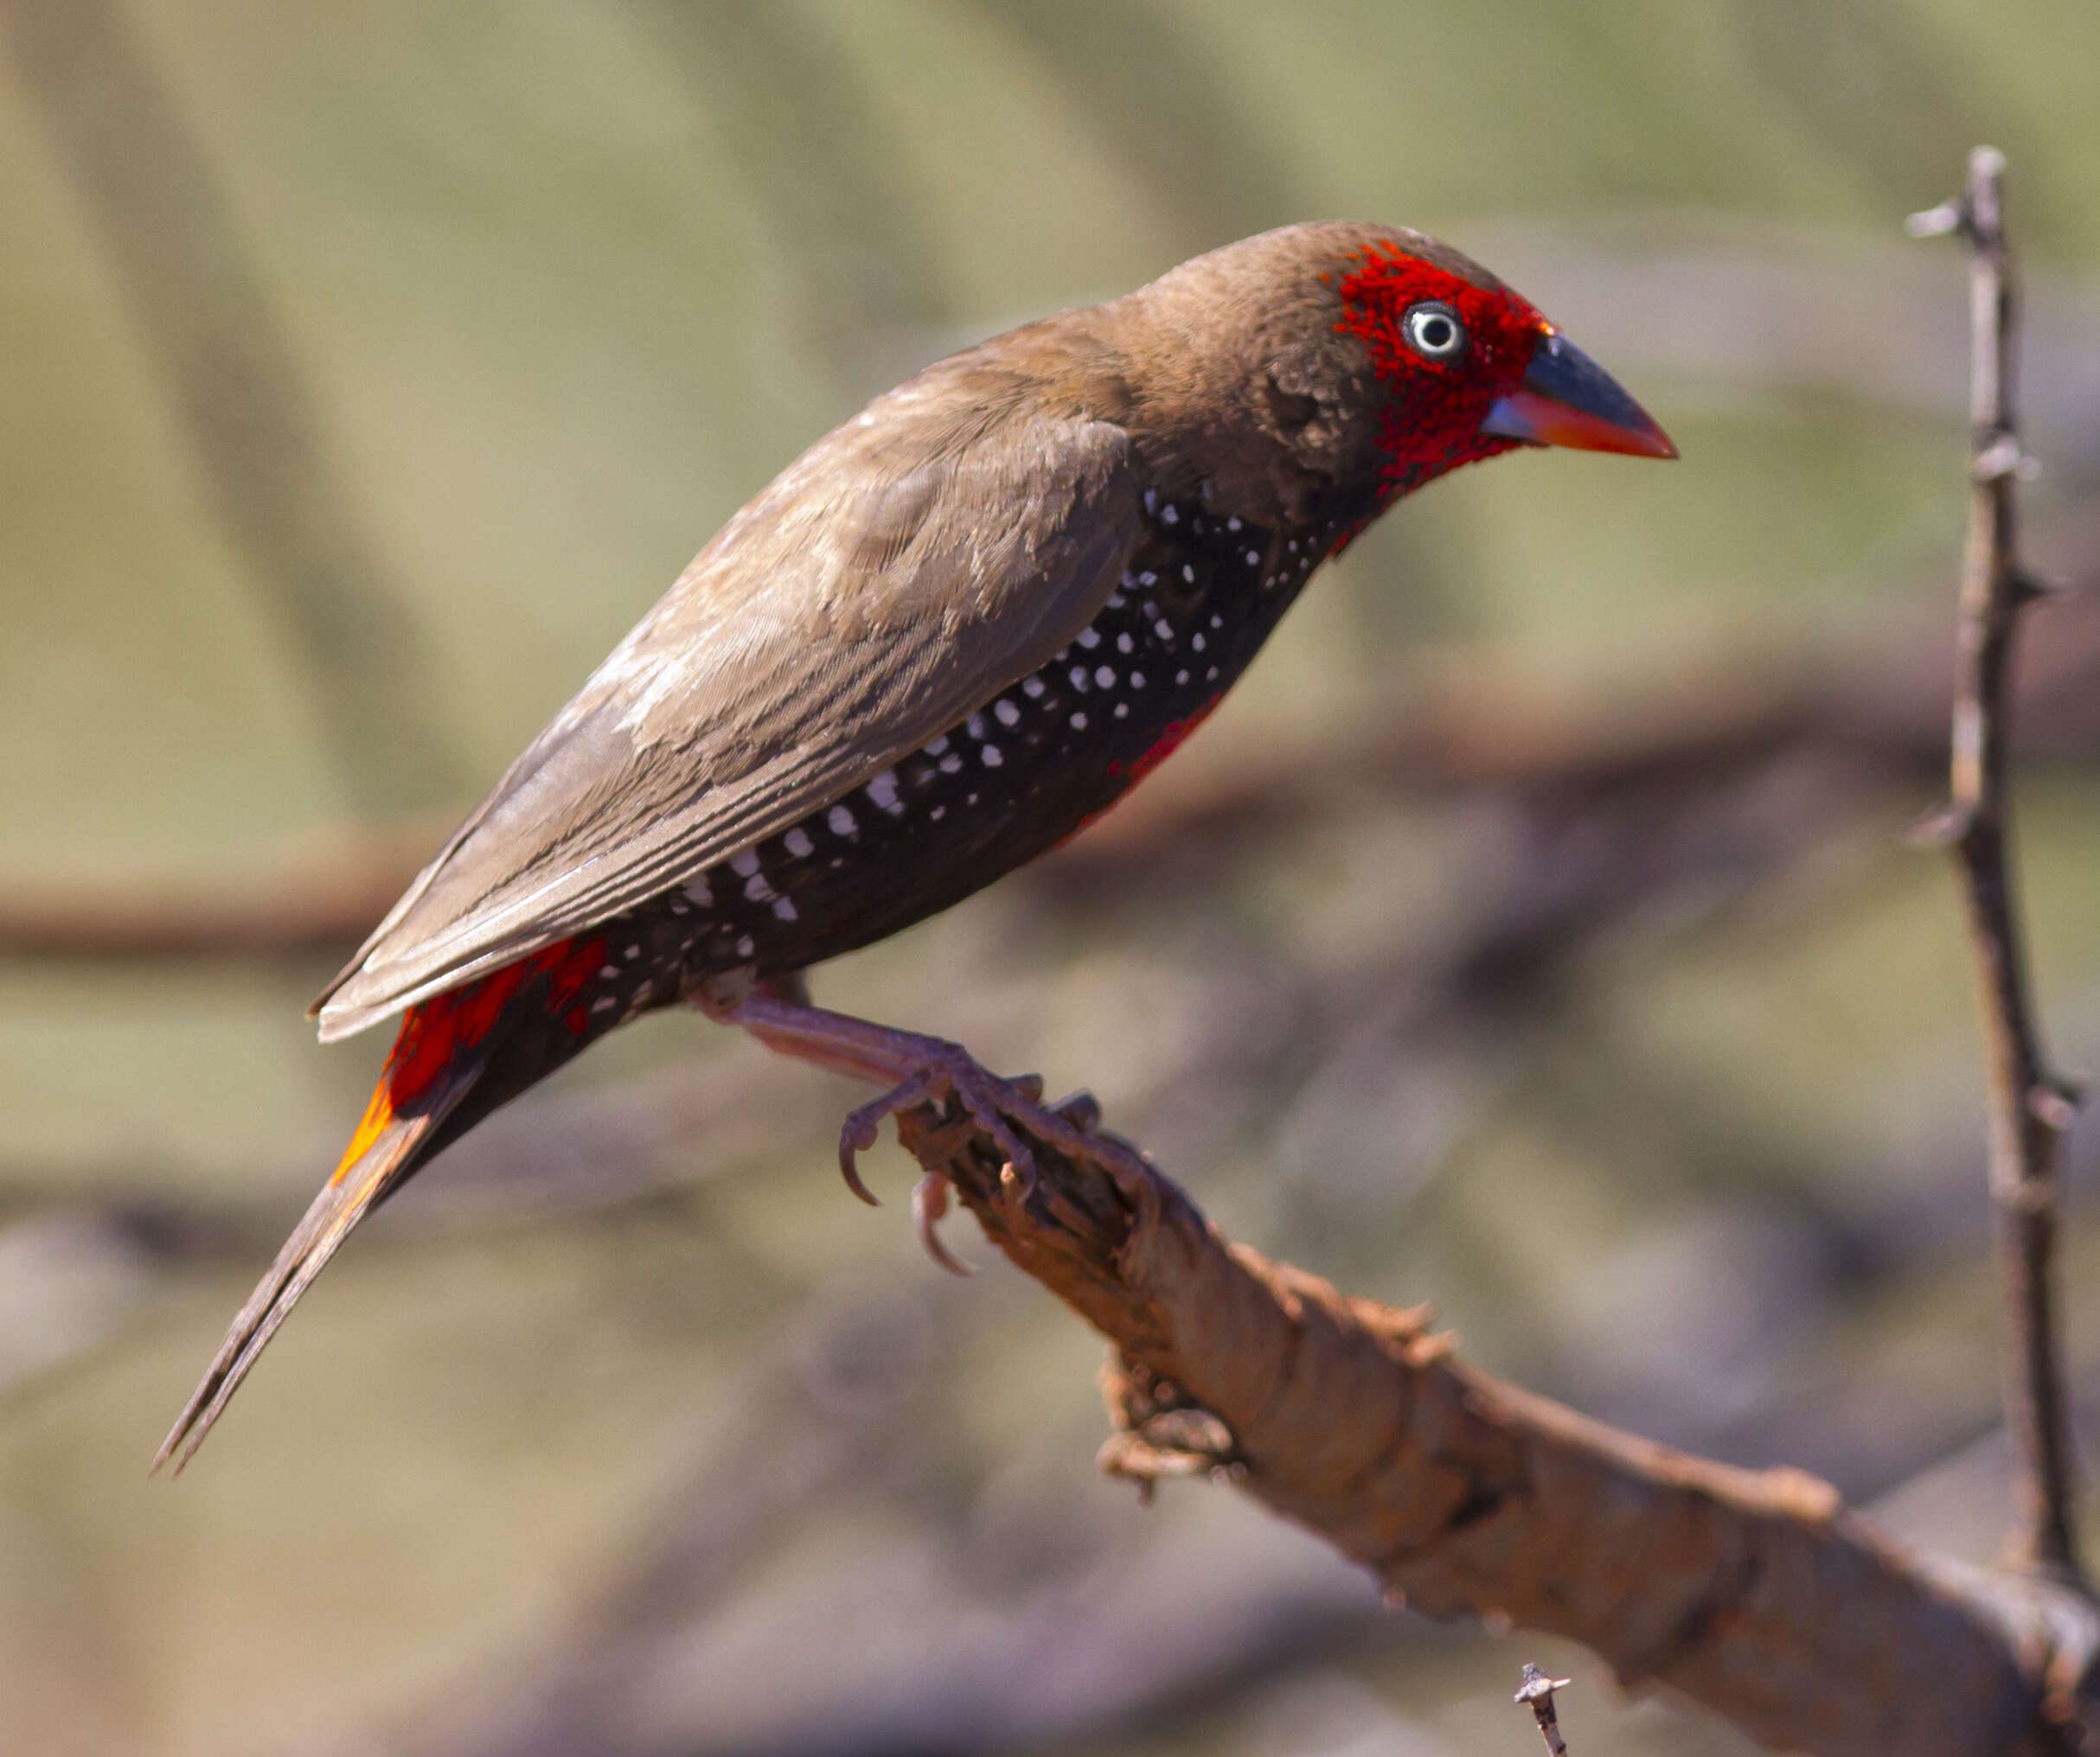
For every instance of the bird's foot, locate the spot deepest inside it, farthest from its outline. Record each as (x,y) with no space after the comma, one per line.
(922,1071)
(945,1072)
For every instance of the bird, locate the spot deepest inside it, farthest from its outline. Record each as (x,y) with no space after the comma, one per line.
(959,628)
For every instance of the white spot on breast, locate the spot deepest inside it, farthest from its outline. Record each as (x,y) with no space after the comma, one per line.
(631,953)
(757,889)
(1078,723)
(1231,524)
(951,763)
(974,728)
(785,910)
(1125,645)
(1171,515)
(992,758)
(1181,677)
(745,864)
(1116,598)
(1254,558)
(1005,712)
(938,745)
(840,821)
(1079,678)
(1121,709)
(1032,688)
(1151,501)
(1217,622)
(1196,641)
(1148,579)
(1163,632)
(1137,680)
(883,790)
(700,892)
(797,843)
(1105,678)
(937,812)
(604,1003)
(1189,573)
(745,946)
(1089,638)
(608,972)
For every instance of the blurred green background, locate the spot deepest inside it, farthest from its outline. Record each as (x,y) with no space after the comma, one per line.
(1530,934)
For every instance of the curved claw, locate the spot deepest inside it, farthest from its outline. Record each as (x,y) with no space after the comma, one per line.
(851,1145)
(863,1128)
(928,1204)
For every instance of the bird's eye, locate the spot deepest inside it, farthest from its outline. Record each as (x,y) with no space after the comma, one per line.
(1434,331)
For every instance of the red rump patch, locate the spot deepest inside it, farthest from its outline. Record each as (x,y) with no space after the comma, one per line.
(1433,425)
(433,1032)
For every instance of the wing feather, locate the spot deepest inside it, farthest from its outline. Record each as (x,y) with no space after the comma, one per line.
(856,609)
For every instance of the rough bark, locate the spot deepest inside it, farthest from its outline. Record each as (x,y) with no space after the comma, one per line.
(1755,1593)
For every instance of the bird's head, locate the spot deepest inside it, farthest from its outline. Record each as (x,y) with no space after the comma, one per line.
(1380,359)
(1470,367)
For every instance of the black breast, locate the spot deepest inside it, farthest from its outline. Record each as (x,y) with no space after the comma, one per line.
(1202,594)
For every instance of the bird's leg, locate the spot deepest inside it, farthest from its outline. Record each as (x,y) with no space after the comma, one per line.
(917,1070)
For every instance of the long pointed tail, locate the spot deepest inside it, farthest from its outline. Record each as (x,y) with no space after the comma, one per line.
(386,1150)
(491,1038)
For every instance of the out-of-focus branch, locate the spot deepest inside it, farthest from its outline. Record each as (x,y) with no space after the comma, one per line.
(2031,1108)
(816,1409)
(309,901)
(1879,711)
(1755,1593)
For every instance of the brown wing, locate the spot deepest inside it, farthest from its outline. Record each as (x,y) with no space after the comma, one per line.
(867,601)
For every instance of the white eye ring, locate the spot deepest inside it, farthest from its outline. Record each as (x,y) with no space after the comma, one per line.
(1433,331)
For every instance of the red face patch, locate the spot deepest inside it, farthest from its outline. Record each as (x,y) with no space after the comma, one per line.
(1445,349)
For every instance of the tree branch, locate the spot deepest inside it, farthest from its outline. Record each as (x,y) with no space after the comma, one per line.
(2031,1108)
(1753,1592)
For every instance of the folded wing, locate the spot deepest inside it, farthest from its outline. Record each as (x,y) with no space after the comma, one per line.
(855,611)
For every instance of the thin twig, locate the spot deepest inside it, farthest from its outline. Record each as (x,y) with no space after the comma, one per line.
(2029,1108)
(1538,1691)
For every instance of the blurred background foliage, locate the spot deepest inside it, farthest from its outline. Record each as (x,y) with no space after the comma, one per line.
(1531,934)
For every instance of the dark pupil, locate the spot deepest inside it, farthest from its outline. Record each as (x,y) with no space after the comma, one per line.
(1436,333)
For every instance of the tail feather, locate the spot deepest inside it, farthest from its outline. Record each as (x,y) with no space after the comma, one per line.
(491,1037)
(386,1150)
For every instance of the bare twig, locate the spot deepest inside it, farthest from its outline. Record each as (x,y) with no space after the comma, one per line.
(1538,1691)
(1755,1593)
(2029,1108)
